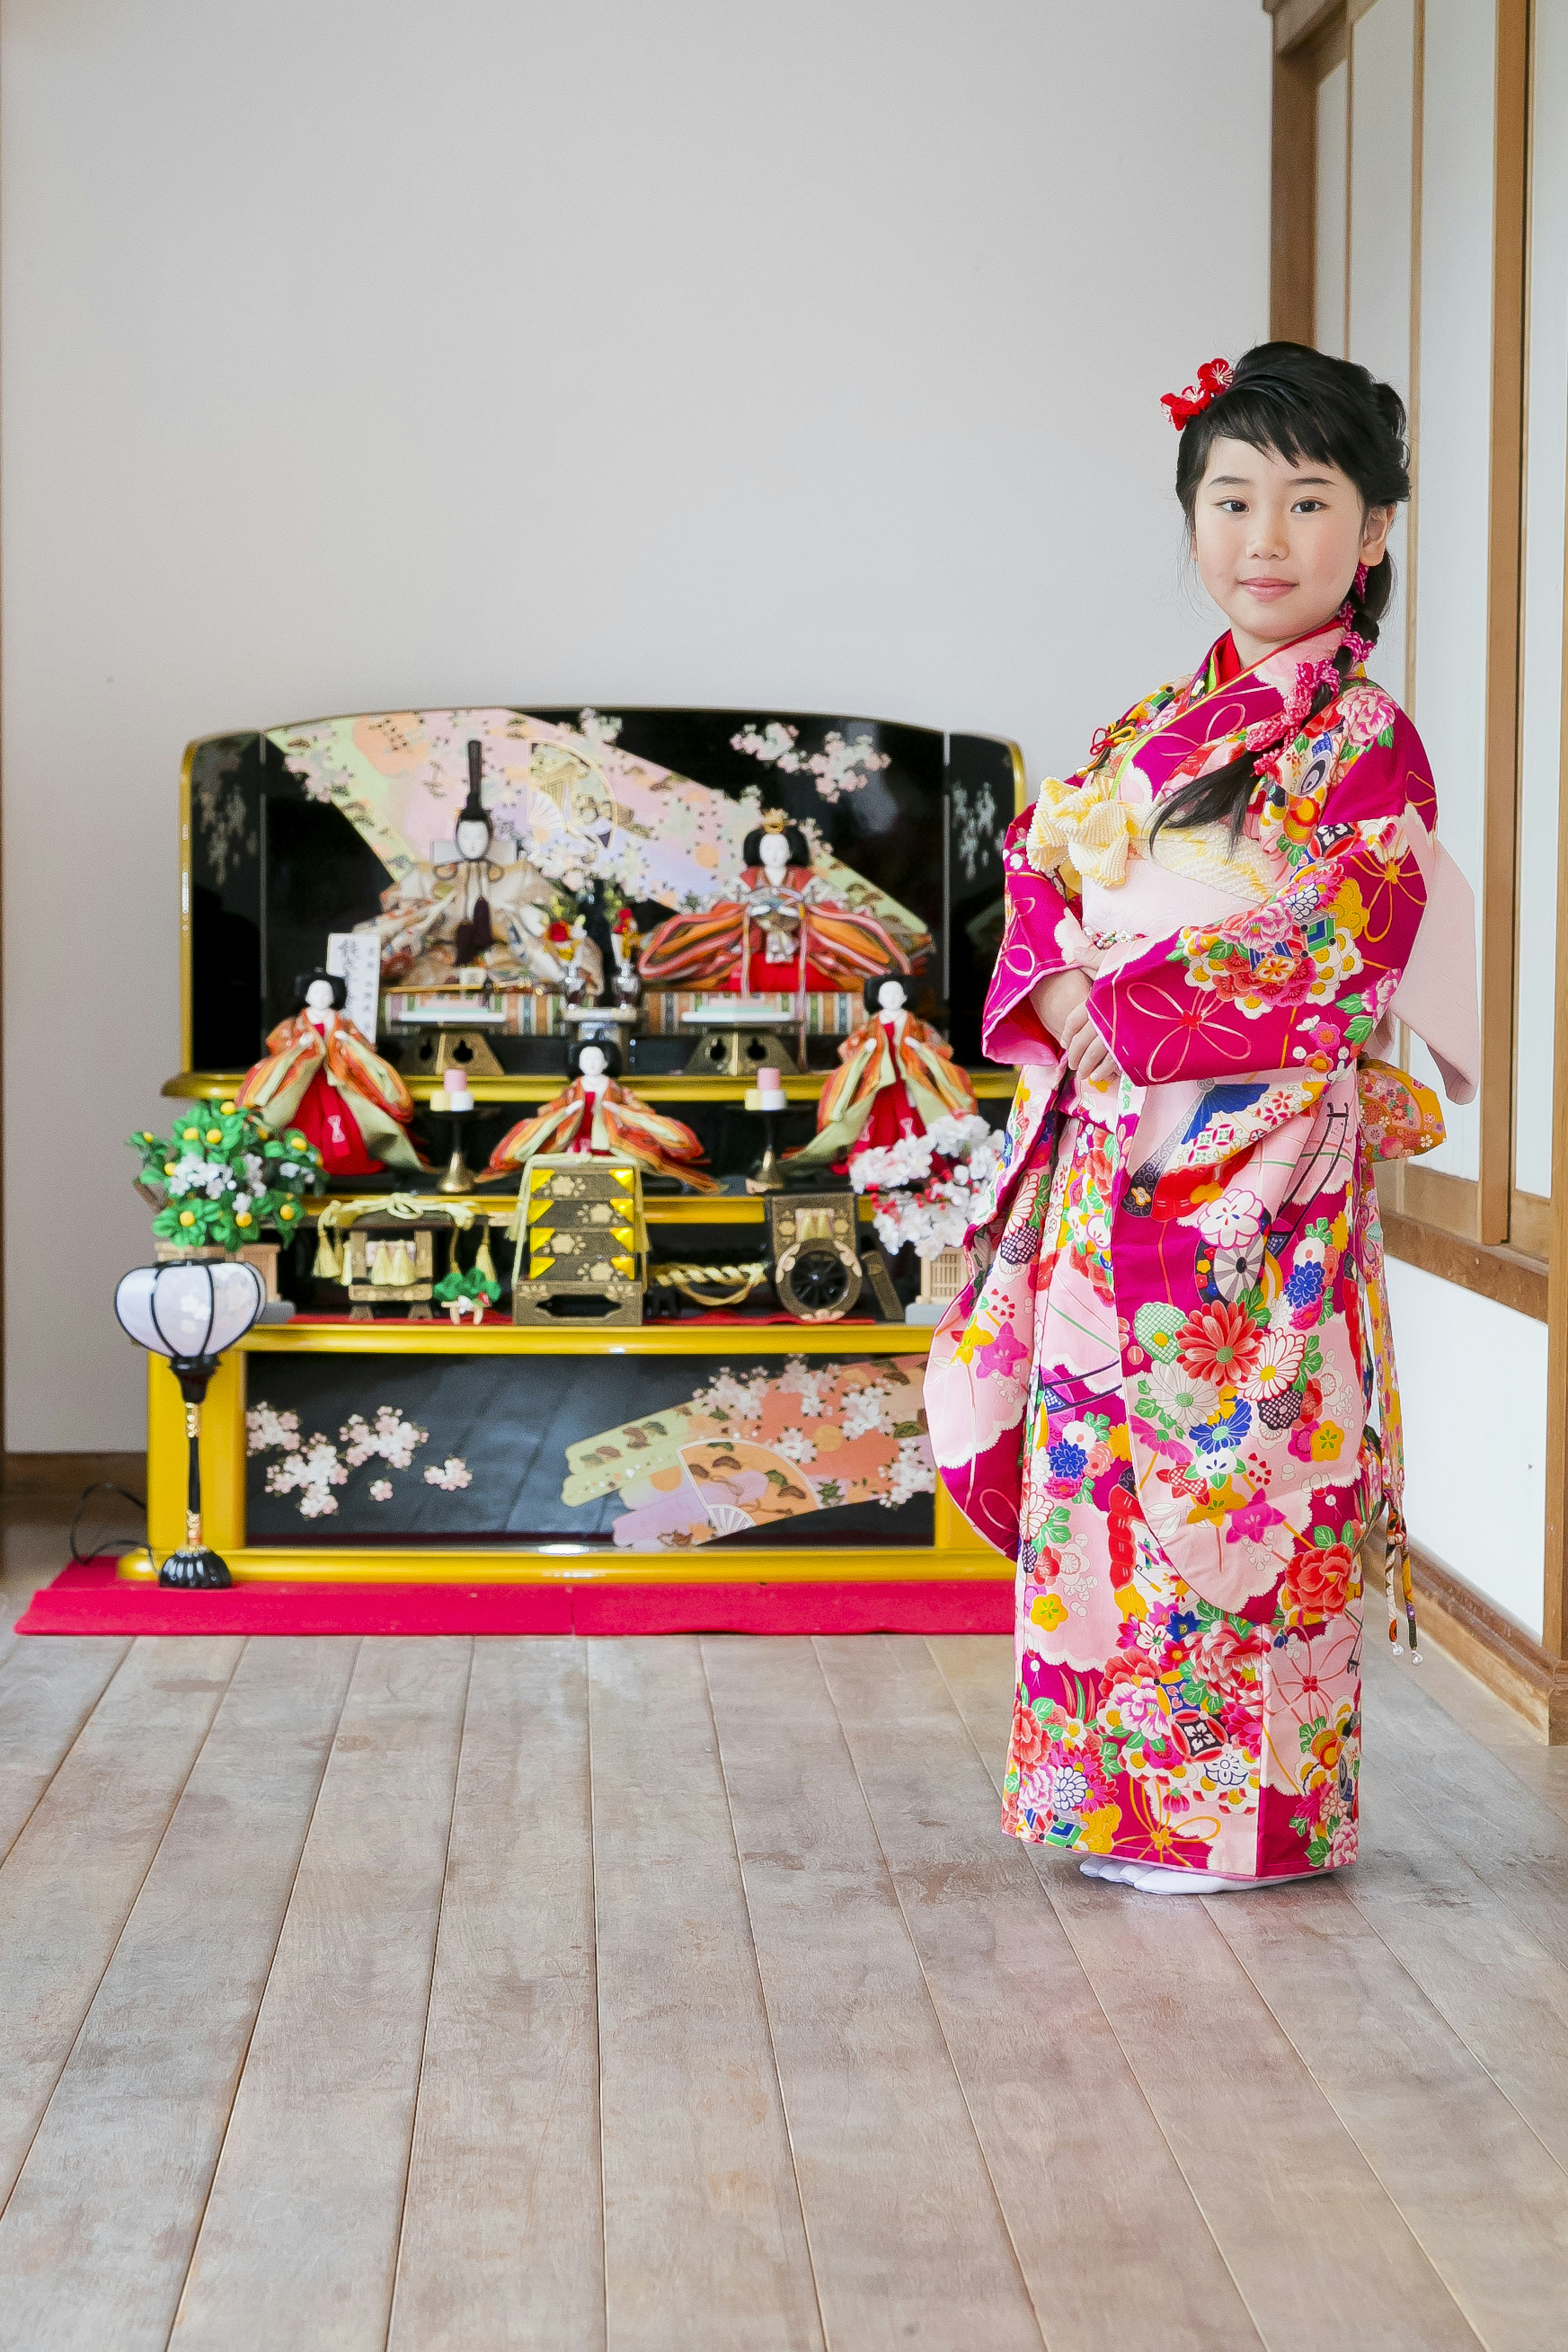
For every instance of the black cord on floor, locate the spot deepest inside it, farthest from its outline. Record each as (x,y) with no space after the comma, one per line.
(101,1486)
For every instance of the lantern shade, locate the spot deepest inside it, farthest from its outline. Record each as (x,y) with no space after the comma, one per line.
(190,1307)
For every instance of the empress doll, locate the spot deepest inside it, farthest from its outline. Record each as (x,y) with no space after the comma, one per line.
(596,1114)
(322,1076)
(784,934)
(1169,1391)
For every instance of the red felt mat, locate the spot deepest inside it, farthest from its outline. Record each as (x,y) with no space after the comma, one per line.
(92,1600)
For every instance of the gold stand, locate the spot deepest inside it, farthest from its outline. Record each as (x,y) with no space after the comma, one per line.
(438,1053)
(769,1176)
(459,1176)
(729,1049)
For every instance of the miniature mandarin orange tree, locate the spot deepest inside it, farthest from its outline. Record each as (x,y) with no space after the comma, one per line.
(223,1174)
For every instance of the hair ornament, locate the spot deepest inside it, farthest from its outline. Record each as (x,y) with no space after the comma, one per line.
(775,822)
(1270,736)
(1357,646)
(1213,378)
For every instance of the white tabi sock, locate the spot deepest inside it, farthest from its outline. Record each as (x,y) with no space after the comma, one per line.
(1155,1878)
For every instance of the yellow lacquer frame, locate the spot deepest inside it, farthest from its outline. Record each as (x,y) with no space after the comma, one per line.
(955,1552)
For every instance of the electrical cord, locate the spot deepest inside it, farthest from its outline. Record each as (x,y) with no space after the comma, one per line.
(101,1487)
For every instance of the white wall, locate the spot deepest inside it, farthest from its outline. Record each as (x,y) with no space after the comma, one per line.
(363,352)
(1472,1391)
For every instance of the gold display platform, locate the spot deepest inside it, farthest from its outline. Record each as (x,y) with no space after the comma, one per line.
(955,1551)
(218,1086)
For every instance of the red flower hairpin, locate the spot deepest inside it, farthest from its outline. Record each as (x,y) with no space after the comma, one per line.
(1213,378)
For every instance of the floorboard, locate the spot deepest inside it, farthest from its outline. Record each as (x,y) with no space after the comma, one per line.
(1503,1993)
(1486,2202)
(12,1604)
(703,2241)
(905,2230)
(1482,1716)
(299,2243)
(1044,2077)
(503,2241)
(305,2032)
(1516,1843)
(117,2178)
(48,1691)
(69,1882)
(1220,2077)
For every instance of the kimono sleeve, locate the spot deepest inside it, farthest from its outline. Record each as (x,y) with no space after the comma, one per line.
(1042,936)
(1302,981)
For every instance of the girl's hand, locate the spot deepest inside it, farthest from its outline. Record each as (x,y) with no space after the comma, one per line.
(1056,1000)
(1061,1002)
(1088,1055)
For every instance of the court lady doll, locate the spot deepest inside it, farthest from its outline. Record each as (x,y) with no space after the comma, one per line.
(594,1113)
(1170,1390)
(322,1076)
(895,1075)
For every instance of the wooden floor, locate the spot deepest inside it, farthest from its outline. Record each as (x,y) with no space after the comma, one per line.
(677,1994)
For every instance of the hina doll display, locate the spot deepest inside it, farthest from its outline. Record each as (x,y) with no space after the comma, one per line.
(596,1114)
(1170,1390)
(480,912)
(784,934)
(321,1076)
(895,1075)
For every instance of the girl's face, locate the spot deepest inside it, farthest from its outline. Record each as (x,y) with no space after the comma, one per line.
(1278,545)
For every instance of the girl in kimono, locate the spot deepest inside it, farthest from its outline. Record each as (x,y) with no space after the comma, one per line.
(1169,1390)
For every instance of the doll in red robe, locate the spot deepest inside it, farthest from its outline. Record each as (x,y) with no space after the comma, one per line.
(321,1076)
(596,1114)
(895,1076)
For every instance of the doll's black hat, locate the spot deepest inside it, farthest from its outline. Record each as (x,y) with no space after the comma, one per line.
(474,809)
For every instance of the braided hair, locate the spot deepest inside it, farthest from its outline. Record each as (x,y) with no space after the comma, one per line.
(1298,403)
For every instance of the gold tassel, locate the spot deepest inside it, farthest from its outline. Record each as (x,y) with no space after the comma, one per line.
(328,1266)
(484,1263)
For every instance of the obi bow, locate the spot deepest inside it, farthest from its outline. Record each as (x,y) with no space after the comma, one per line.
(1083,830)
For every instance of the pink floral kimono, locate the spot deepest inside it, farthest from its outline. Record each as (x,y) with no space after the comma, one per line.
(1169,1390)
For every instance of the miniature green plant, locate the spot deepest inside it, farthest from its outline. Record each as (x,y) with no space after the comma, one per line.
(223,1174)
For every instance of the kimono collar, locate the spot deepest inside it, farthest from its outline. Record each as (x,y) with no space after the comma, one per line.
(1277,670)
(1084,826)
